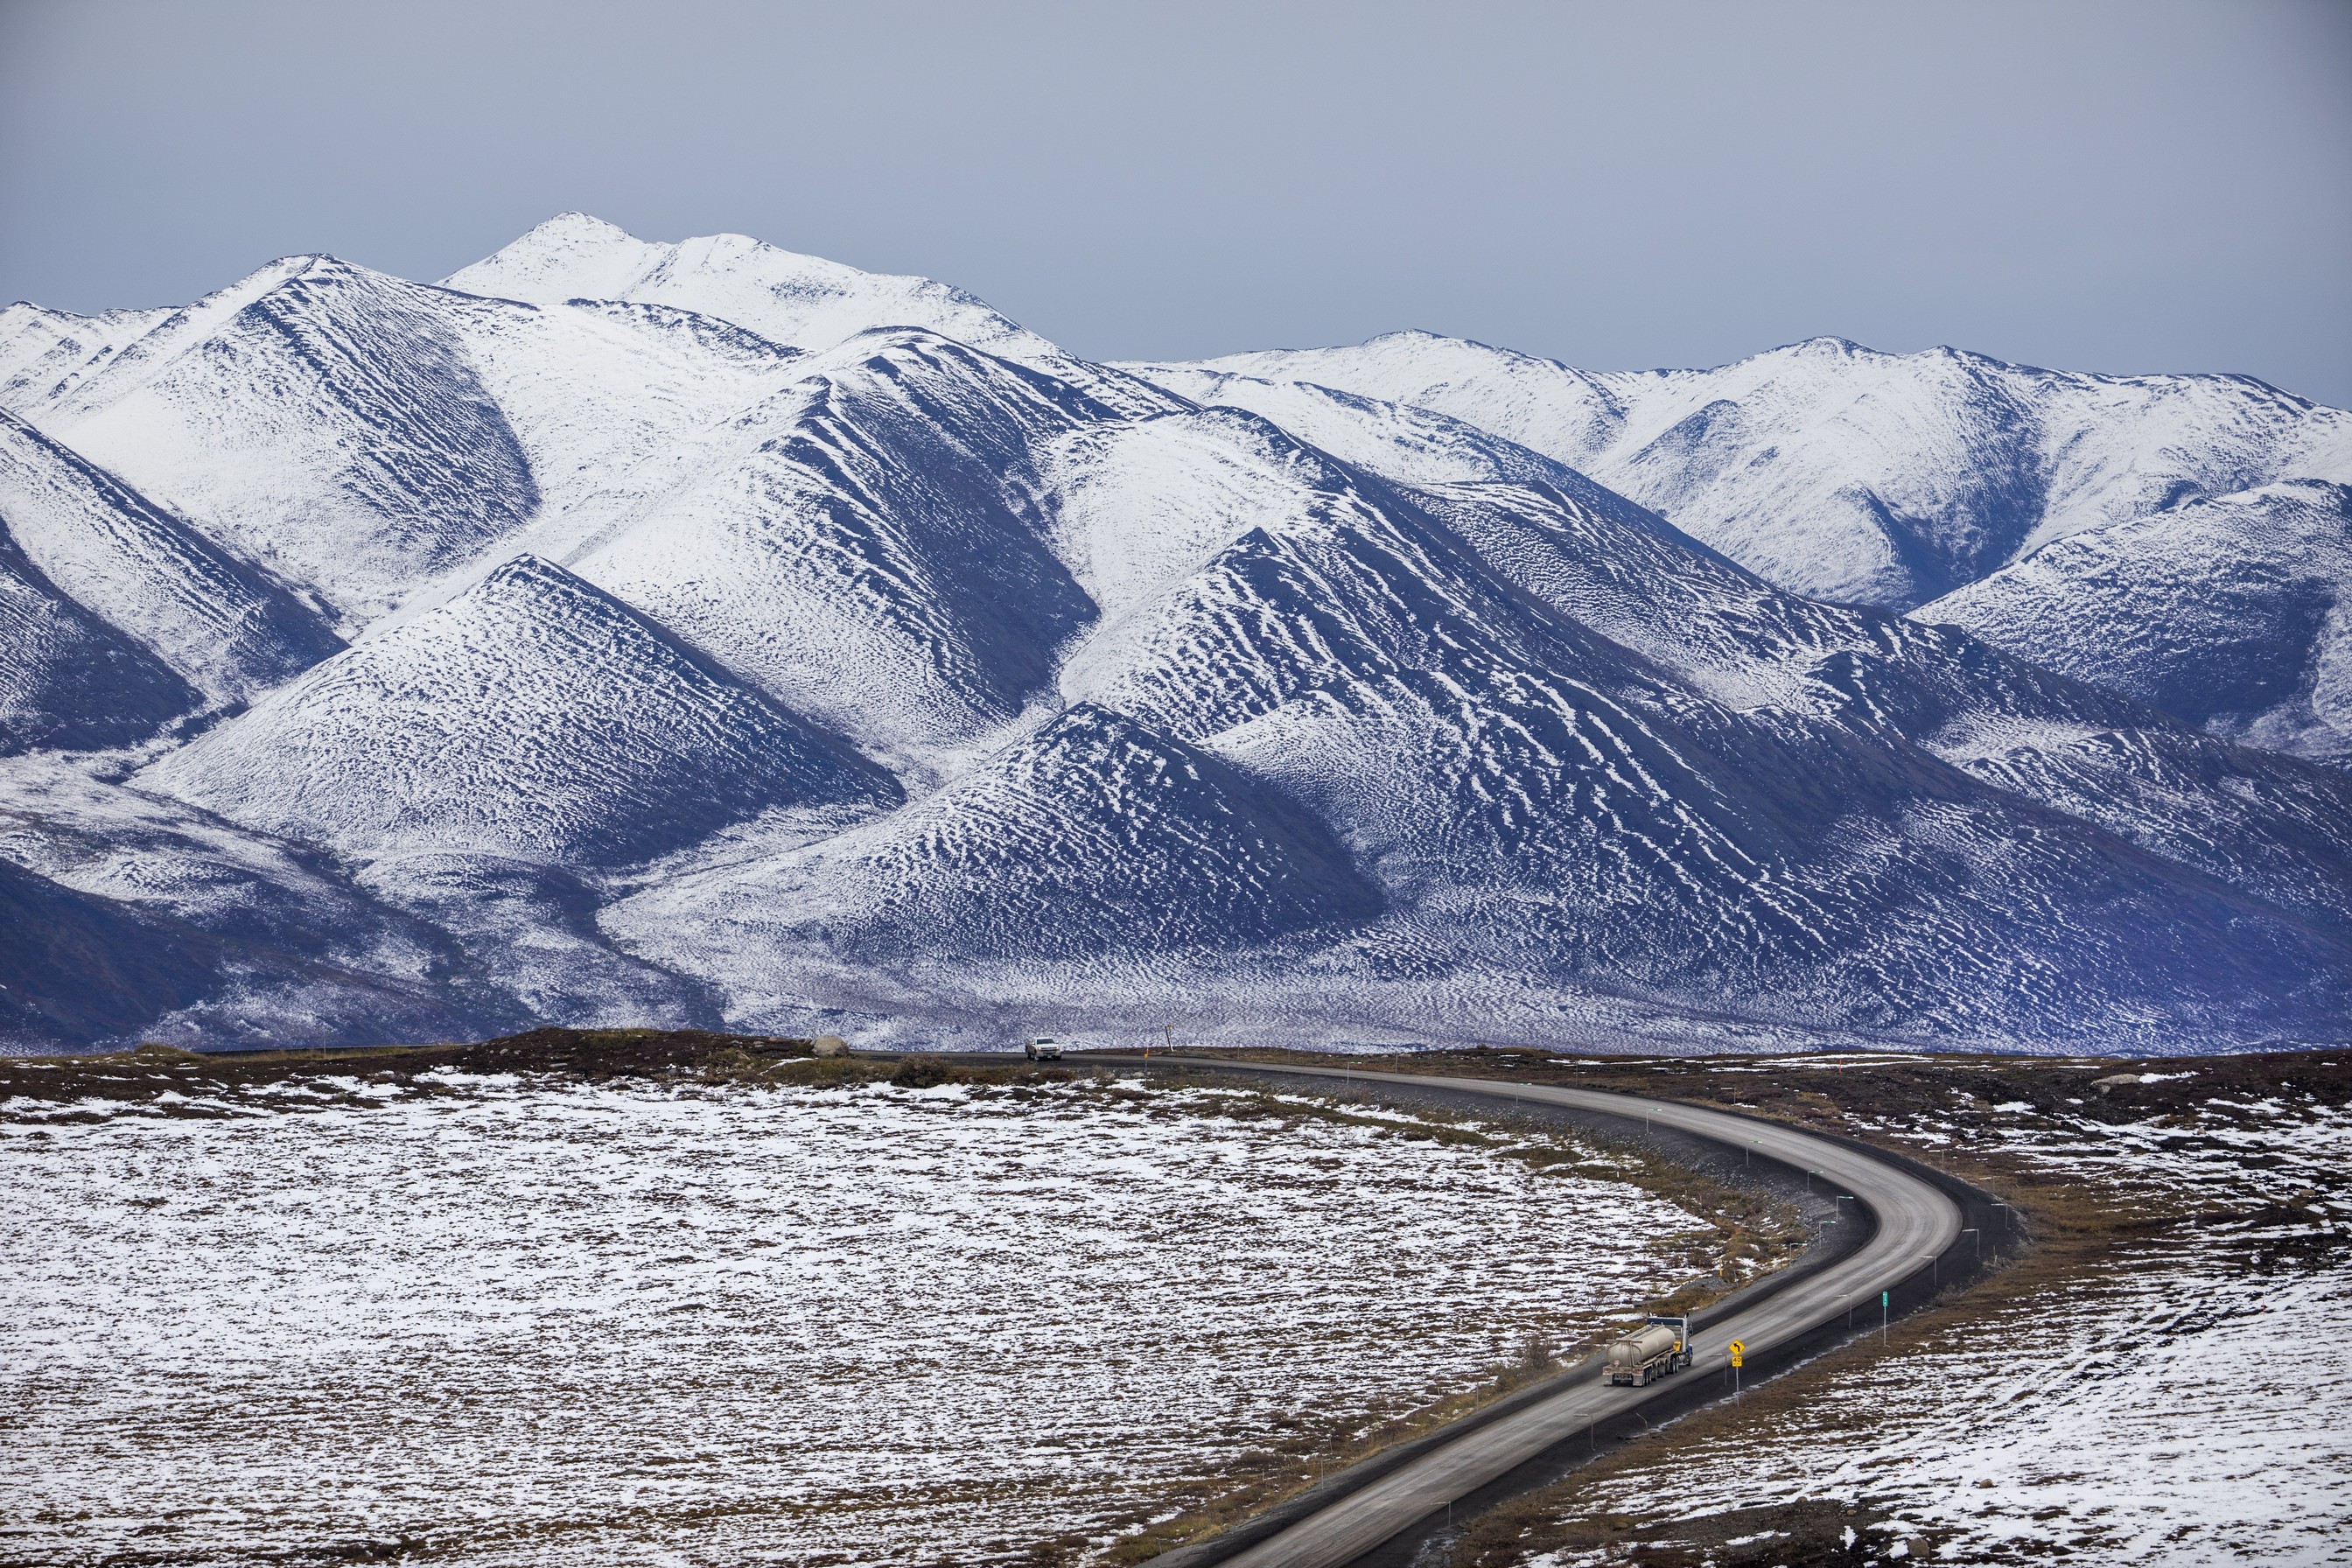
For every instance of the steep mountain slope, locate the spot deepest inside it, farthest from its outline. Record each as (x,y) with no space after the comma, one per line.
(44,353)
(140,918)
(1539,405)
(1525,793)
(867,545)
(803,300)
(1851,475)
(45,356)
(360,435)
(2257,825)
(67,678)
(225,627)
(330,427)
(532,718)
(2234,613)
(1093,839)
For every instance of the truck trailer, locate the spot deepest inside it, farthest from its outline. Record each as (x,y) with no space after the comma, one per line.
(1661,1345)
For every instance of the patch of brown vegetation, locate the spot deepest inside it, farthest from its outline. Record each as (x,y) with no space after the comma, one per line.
(152,1070)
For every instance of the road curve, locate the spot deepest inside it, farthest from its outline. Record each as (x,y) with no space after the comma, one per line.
(1916,1223)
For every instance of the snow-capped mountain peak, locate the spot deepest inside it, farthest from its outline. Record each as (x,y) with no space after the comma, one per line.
(571,256)
(805,302)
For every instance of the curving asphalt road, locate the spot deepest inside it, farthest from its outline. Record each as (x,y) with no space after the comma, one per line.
(1916,1223)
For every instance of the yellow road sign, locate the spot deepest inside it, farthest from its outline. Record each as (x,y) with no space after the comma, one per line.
(1739,1351)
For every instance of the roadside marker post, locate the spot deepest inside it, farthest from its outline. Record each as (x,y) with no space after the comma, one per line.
(1883,1296)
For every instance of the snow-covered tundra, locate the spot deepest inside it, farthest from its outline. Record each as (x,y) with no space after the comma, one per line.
(511,1320)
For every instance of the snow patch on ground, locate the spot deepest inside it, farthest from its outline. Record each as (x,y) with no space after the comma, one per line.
(526,1324)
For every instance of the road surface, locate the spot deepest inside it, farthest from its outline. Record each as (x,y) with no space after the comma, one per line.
(1916,1223)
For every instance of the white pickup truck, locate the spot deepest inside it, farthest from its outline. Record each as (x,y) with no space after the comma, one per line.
(1043,1048)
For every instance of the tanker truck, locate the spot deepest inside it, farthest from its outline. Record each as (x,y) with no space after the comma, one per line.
(1659,1346)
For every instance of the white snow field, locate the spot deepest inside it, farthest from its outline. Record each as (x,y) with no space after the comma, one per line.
(510,1322)
(2185,1405)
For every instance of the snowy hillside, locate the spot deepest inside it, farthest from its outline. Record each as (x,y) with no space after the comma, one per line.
(67,678)
(327,426)
(737,637)
(2234,613)
(532,717)
(804,300)
(358,435)
(229,629)
(1093,841)
(867,547)
(130,914)
(1843,473)
(1520,788)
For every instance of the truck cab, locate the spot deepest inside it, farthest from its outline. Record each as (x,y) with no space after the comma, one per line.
(1042,1049)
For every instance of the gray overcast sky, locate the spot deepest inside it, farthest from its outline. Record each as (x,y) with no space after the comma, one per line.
(2103,186)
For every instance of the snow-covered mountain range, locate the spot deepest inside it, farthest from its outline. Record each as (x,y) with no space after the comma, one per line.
(618,632)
